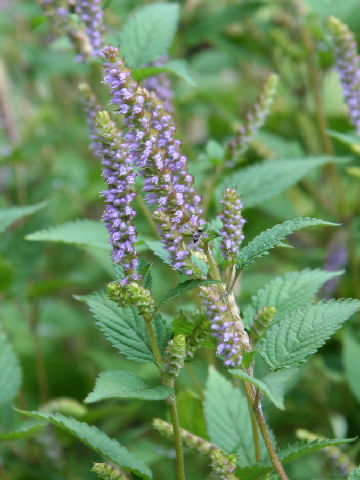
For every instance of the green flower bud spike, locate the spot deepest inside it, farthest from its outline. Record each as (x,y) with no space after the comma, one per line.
(133,294)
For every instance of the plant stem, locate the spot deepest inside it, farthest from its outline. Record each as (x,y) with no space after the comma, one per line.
(171,402)
(154,344)
(253,422)
(266,436)
(177,436)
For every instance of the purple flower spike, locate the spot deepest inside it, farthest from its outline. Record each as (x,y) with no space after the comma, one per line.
(348,67)
(232,230)
(91,13)
(119,214)
(154,150)
(224,329)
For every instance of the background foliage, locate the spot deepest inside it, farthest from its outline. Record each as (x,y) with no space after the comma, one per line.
(53,247)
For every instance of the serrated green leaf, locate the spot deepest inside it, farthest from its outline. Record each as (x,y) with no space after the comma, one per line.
(294,338)
(12,214)
(10,371)
(148,33)
(184,287)
(157,248)
(354,475)
(273,385)
(26,429)
(268,179)
(288,292)
(179,67)
(122,326)
(287,455)
(268,239)
(351,361)
(97,440)
(228,418)
(83,233)
(125,384)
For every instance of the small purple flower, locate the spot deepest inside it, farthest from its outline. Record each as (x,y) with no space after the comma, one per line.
(348,67)
(224,329)
(233,222)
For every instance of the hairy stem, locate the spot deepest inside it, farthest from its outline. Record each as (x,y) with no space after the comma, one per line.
(253,422)
(154,344)
(171,402)
(177,436)
(266,435)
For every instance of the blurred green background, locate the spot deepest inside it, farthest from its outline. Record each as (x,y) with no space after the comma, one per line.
(231,47)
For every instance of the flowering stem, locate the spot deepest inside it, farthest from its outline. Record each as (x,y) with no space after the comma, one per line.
(265,433)
(253,422)
(177,436)
(154,343)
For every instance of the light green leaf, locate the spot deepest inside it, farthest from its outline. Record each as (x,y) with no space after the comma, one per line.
(122,326)
(268,179)
(351,361)
(288,292)
(354,475)
(273,385)
(26,429)
(352,141)
(178,67)
(148,33)
(83,233)
(12,214)
(268,239)
(157,248)
(10,371)
(294,338)
(97,440)
(287,455)
(228,418)
(184,287)
(125,384)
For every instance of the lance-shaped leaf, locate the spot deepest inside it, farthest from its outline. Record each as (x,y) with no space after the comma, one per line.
(125,384)
(82,233)
(265,180)
(268,239)
(294,338)
(148,33)
(26,429)
(10,371)
(288,292)
(98,441)
(287,455)
(123,327)
(272,385)
(12,214)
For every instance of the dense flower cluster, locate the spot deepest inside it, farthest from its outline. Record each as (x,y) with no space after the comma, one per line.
(161,85)
(223,327)
(120,177)
(348,66)
(91,13)
(255,119)
(233,222)
(153,148)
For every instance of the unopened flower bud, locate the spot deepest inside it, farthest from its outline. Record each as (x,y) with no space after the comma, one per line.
(174,358)
(132,294)
(262,321)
